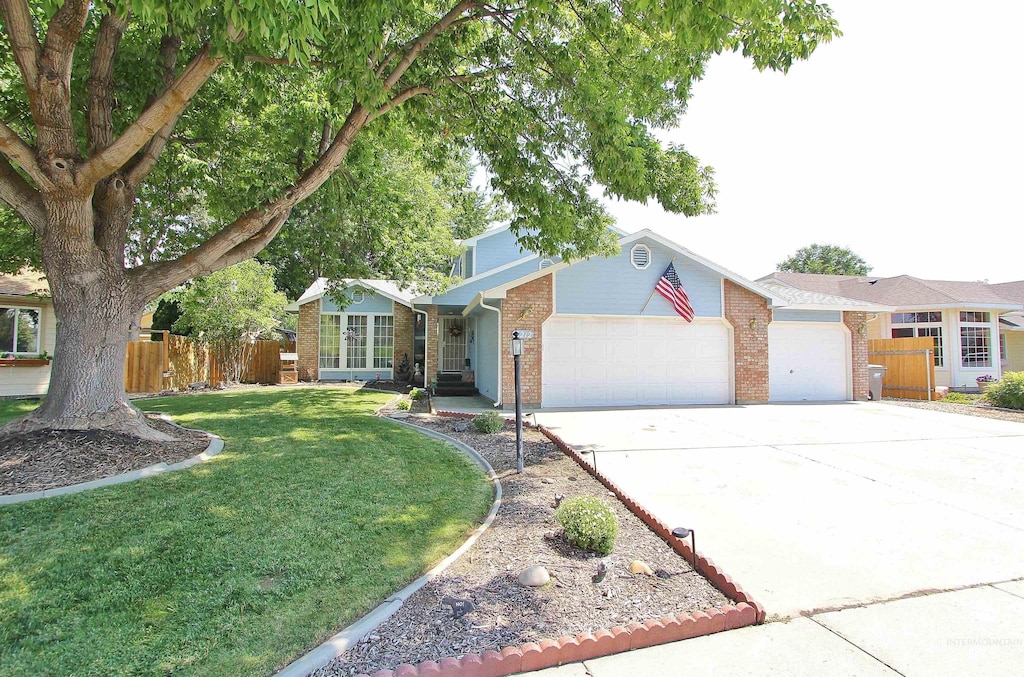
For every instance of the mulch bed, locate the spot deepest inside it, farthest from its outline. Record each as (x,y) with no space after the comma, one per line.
(57,458)
(981,409)
(523,534)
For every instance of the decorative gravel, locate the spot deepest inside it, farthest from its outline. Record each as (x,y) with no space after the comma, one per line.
(979,409)
(525,533)
(48,459)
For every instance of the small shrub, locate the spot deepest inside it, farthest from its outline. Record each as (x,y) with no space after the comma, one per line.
(403,405)
(1008,392)
(489,422)
(960,398)
(416,394)
(589,523)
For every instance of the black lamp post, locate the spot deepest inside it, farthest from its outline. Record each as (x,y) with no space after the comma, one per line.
(517,352)
(683,532)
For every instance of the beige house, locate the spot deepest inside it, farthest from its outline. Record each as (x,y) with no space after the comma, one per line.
(1011,328)
(967,320)
(28,331)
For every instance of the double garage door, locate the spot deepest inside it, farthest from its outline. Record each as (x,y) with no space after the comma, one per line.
(595,361)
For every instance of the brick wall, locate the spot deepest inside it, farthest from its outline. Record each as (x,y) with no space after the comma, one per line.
(857,323)
(750,344)
(430,368)
(404,329)
(307,342)
(525,307)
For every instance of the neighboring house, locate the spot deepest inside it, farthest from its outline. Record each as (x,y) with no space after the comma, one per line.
(27,328)
(1011,327)
(965,319)
(601,337)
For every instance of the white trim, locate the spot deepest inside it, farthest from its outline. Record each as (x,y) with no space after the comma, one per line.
(362,297)
(501,291)
(471,241)
(370,336)
(303,300)
(961,306)
(492,271)
(632,256)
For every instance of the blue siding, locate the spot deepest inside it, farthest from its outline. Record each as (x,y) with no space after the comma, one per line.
(461,296)
(612,286)
(354,374)
(486,345)
(469,262)
(372,303)
(496,250)
(787,315)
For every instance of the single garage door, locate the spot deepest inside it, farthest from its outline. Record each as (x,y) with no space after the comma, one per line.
(807,362)
(596,361)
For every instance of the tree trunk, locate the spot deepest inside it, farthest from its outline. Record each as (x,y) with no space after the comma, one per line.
(95,302)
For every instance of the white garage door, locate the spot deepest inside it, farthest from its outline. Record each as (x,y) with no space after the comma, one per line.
(595,361)
(807,362)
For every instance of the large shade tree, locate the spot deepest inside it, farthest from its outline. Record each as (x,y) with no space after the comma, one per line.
(825,259)
(553,96)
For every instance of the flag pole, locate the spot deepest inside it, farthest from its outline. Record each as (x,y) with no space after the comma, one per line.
(655,288)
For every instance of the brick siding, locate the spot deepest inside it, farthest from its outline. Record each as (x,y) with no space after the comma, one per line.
(750,344)
(404,328)
(307,341)
(433,320)
(525,307)
(857,323)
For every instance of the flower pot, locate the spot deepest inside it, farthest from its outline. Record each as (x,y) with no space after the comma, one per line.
(24,363)
(984,385)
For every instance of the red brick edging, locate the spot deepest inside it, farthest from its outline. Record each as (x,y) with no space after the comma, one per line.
(550,652)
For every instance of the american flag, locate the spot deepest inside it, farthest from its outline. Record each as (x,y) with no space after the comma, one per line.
(671,288)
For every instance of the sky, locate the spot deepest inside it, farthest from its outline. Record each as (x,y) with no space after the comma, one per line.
(902,140)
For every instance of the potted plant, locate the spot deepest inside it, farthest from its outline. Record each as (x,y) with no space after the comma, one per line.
(985,381)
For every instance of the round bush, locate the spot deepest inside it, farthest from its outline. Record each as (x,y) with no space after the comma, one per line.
(489,422)
(589,523)
(1008,392)
(416,394)
(404,405)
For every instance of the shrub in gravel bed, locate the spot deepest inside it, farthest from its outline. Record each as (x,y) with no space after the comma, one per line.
(416,394)
(489,422)
(403,405)
(589,523)
(1008,392)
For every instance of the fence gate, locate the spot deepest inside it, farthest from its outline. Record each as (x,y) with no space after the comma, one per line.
(910,366)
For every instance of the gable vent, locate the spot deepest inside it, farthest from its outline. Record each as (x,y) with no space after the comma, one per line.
(640,256)
(546,263)
(358,296)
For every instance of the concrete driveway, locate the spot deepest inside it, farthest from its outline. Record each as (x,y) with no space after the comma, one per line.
(815,507)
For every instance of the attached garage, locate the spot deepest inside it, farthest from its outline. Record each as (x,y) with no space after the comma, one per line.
(626,361)
(808,362)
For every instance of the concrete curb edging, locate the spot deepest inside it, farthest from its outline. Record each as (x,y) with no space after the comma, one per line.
(344,640)
(215,447)
(550,652)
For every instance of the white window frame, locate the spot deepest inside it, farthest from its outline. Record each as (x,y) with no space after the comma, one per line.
(1002,347)
(939,352)
(985,327)
(14,338)
(343,361)
(632,256)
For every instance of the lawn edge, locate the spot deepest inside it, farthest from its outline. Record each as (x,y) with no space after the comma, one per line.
(342,641)
(215,446)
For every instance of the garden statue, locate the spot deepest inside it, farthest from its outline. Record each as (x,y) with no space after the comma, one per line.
(402,374)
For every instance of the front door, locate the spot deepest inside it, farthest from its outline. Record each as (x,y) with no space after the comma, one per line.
(453,344)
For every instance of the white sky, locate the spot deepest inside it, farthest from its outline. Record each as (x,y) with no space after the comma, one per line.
(902,140)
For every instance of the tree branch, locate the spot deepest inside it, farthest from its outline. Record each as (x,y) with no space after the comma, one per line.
(21,197)
(21,33)
(276,61)
(13,147)
(144,162)
(170,104)
(100,85)
(420,90)
(421,43)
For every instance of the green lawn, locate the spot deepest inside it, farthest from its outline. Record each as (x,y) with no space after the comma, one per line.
(313,514)
(10,409)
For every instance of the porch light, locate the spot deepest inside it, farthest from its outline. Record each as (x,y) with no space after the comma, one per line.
(517,344)
(681,533)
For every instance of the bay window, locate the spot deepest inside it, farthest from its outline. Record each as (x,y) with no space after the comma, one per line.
(357,341)
(975,340)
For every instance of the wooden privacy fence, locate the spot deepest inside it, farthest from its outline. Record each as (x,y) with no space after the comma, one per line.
(910,366)
(176,361)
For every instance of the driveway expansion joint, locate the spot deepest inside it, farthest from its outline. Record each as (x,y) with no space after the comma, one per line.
(855,646)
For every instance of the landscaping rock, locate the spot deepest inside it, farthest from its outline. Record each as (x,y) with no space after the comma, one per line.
(640,567)
(534,577)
